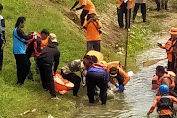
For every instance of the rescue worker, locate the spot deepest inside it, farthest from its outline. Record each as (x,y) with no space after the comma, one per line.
(167,78)
(96,76)
(122,7)
(142,4)
(19,50)
(169,48)
(93,26)
(2,36)
(117,72)
(44,38)
(87,6)
(68,72)
(164,103)
(48,58)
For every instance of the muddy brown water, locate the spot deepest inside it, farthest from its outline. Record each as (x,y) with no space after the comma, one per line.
(138,96)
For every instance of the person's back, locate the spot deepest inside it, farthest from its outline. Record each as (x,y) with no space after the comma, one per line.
(93,25)
(164,103)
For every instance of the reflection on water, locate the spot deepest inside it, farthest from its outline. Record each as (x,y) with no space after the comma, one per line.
(136,99)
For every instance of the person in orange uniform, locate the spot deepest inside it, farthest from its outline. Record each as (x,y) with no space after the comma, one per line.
(122,7)
(169,48)
(44,38)
(93,26)
(164,103)
(116,72)
(87,6)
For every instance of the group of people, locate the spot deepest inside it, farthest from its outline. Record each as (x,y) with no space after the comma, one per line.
(165,80)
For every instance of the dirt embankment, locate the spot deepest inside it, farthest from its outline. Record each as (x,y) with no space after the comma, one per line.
(112,36)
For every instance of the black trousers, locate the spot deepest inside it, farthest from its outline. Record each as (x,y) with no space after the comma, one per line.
(23,67)
(82,16)
(76,80)
(170,66)
(99,79)
(143,10)
(165,116)
(1,59)
(47,78)
(120,12)
(93,45)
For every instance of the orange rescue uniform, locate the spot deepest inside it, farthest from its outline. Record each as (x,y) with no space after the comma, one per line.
(156,82)
(169,48)
(163,111)
(121,71)
(88,5)
(44,42)
(92,30)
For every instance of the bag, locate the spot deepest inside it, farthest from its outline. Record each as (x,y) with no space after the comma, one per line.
(62,85)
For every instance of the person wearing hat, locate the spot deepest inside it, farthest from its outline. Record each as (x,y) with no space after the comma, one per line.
(169,48)
(117,73)
(48,58)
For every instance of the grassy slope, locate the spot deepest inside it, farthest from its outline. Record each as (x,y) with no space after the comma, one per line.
(15,100)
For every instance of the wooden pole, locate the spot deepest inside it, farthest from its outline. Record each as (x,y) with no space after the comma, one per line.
(126,42)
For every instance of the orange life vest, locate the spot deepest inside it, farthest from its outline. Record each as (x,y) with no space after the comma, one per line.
(156,82)
(169,48)
(170,76)
(121,71)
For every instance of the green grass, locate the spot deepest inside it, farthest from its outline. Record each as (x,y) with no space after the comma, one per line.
(15,100)
(18,99)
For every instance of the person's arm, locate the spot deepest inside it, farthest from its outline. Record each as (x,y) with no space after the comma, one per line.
(38,44)
(76,3)
(173,99)
(125,75)
(99,24)
(21,34)
(56,59)
(85,24)
(81,7)
(154,105)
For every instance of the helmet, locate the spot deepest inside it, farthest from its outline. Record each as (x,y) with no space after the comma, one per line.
(163,88)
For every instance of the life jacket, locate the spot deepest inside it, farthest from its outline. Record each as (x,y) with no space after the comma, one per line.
(34,46)
(169,49)
(156,82)
(119,77)
(169,75)
(165,103)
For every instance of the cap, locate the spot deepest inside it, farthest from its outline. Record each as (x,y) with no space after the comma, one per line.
(52,37)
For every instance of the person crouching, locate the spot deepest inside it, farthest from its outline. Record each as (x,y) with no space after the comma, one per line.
(95,76)
(48,58)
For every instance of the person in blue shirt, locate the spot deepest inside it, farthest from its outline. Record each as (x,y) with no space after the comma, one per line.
(96,76)
(20,39)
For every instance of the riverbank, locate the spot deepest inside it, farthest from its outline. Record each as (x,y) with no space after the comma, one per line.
(30,100)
